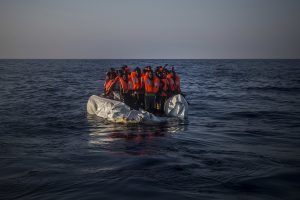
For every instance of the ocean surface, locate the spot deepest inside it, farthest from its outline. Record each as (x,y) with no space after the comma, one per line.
(241,140)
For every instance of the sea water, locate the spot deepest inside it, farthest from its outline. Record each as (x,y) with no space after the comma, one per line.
(241,140)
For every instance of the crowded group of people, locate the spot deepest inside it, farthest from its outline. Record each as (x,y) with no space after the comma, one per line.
(147,89)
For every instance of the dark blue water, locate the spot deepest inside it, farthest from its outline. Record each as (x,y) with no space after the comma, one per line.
(241,140)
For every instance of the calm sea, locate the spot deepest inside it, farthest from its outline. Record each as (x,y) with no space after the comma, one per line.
(241,141)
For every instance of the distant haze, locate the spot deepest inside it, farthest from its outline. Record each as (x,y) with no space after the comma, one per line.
(149,29)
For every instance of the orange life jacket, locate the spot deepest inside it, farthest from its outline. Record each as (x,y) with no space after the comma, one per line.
(171,83)
(149,85)
(123,84)
(143,77)
(156,84)
(130,85)
(109,86)
(145,74)
(136,81)
(164,86)
(106,81)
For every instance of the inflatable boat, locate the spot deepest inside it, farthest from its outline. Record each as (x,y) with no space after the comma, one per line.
(119,112)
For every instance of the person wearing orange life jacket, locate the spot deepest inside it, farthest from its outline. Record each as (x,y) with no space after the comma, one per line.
(149,92)
(125,69)
(130,93)
(171,83)
(120,87)
(113,88)
(157,90)
(125,88)
(156,85)
(143,76)
(164,90)
(136,78)
(110,76)
(164,84)
(174,82)
(107,86)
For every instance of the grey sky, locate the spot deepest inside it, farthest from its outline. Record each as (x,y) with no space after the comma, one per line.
(149,29)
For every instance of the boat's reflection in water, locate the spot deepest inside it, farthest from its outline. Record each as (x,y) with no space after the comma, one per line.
(103,132)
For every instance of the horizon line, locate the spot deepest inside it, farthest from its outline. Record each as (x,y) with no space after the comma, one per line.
(150,58)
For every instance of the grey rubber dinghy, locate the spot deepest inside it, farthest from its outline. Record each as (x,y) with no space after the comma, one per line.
(117,111)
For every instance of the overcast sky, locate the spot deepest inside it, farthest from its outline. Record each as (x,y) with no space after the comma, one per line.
(149,29)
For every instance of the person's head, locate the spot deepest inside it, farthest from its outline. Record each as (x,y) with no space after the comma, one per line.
(138,71)
(170,73)
(125,76)
(148,68)
(159,68)
(119,72)
(113,75)
(123,68)
(127,69)
(157,73)
(163,74)
(150,74)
